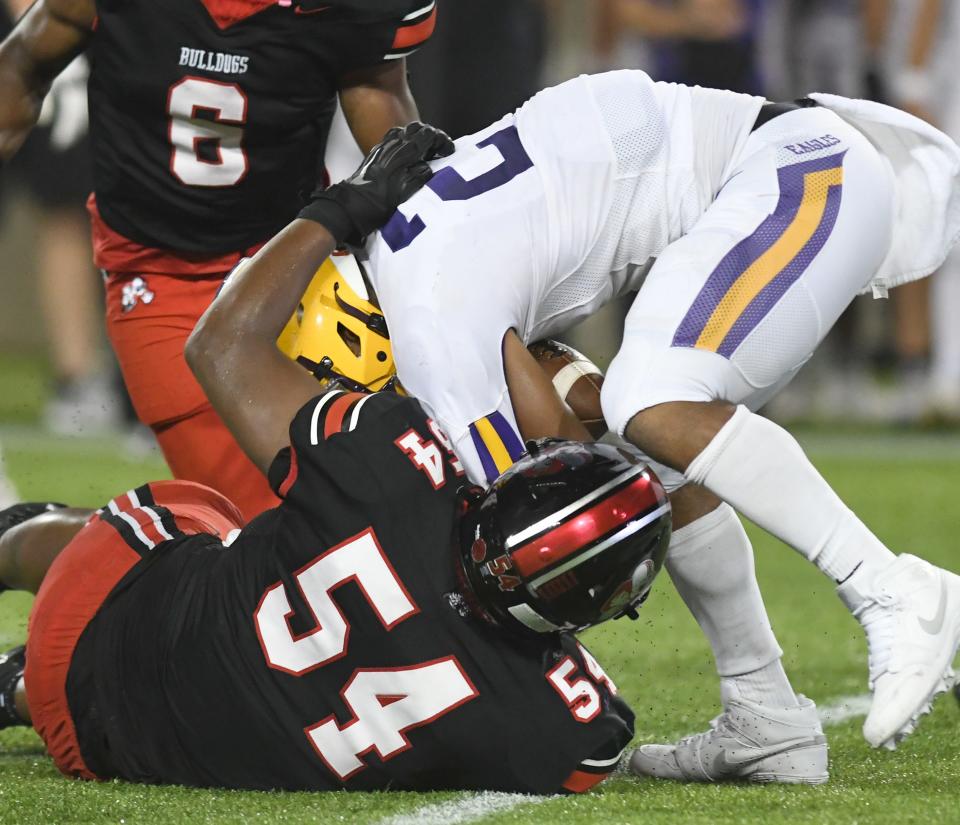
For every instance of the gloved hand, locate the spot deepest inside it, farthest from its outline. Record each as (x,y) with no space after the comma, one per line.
(395,169)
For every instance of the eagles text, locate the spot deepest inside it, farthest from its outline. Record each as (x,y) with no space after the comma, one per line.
(822,142)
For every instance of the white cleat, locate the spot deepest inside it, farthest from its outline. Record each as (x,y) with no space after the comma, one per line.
(910,612)
(747,742)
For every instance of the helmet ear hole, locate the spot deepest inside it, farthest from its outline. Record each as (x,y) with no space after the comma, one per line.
(350,338)
(381,356)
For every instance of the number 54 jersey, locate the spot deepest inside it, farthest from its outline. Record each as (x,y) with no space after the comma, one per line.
(327,647)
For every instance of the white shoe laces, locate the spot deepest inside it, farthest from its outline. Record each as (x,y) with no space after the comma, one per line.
(720,725)
(879,619)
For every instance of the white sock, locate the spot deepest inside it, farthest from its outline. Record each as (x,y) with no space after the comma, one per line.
(767,685)
(758,468)
(711,564)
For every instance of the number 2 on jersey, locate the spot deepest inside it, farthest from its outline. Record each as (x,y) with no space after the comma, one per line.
(207,151)
(385,702)
(449,185)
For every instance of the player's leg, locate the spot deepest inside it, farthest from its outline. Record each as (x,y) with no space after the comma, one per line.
(768,732)
(82,576)
(31,537)
(149,318)
(759,312)
(711,564)
(81,402)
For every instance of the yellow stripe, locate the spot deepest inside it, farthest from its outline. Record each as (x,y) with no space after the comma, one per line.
(493,442)
(763,270)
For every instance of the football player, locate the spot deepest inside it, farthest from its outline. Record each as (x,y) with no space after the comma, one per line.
(747,227)
(208,119)
(370,632)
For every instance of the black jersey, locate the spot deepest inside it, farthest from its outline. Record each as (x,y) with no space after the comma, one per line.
(208,118)
(327,647)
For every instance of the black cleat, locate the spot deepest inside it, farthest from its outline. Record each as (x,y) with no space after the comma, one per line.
(11,669)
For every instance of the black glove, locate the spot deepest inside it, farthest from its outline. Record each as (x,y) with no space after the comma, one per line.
(395,169)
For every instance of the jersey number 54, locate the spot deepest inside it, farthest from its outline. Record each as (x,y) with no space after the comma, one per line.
(385,703)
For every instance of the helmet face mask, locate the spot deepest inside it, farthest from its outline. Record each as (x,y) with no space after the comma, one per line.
(337,333)
(570,536)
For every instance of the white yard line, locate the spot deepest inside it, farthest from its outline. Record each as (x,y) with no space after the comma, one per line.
(467,809)
(476,807)
(844,709)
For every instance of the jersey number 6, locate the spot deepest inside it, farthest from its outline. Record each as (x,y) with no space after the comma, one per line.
(206,132)
(385,702)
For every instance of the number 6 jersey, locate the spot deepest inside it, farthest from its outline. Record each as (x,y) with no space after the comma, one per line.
(327,647)
(209,117)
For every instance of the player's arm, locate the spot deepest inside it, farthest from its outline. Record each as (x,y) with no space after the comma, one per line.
(529,409)
(44,41)
(375,99)
(254,388)
(538,409)
(233,352)
(374,93)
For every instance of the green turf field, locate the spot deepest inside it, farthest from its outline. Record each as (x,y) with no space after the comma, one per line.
(907,489)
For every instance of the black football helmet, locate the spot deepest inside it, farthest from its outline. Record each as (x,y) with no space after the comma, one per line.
(571,535)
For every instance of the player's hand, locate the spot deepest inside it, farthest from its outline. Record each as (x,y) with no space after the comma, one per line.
(395,169)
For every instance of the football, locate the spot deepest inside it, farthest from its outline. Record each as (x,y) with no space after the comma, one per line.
(577,381)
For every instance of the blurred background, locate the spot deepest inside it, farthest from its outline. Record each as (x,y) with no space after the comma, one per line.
(888,364)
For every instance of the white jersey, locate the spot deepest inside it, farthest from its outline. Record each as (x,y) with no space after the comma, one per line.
(533,224)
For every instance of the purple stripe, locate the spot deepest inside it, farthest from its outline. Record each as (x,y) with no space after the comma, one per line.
(507,435)
(489,465)
(765,300)
(791,183)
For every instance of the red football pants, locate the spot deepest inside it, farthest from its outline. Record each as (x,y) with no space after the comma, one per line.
(79,581)
(149,317)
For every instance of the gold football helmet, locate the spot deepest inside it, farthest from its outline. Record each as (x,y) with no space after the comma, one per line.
(337,333)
